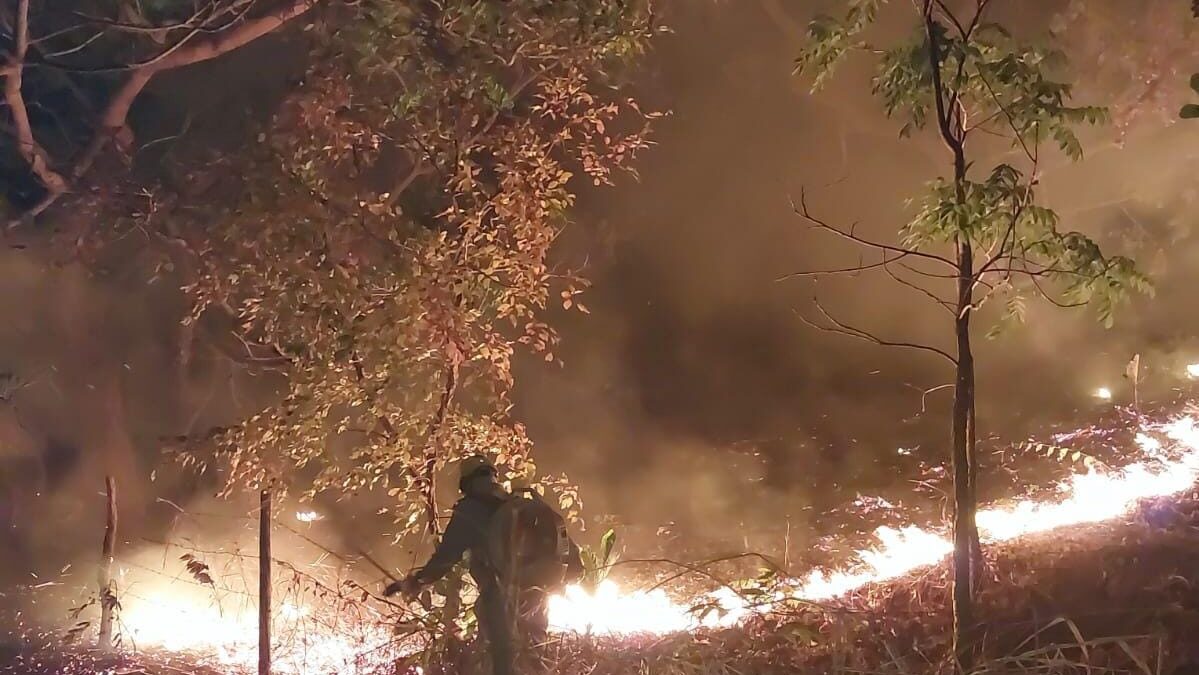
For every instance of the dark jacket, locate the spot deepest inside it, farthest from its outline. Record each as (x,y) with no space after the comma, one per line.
(467,531)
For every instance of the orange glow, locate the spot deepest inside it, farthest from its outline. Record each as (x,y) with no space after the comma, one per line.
(1168,464)
(1086,497)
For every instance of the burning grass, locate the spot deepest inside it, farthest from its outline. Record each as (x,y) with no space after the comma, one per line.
(1062,592)
(1118,597)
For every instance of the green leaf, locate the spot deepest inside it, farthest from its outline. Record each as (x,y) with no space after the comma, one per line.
(1189,111)
(1195,82)
(607,544)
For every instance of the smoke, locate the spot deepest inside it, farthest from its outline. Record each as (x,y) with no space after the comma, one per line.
(694,407)
(693,398)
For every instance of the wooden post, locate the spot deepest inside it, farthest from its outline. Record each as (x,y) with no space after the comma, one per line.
(264,584)
(107,594)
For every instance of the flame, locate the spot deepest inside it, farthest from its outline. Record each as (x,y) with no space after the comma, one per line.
(228,637)
(181,623)
(1193,369)
(1103,393)
(609,610)
(308,516)
(1087,497)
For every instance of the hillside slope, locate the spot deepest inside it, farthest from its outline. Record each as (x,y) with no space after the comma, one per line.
(1116,597)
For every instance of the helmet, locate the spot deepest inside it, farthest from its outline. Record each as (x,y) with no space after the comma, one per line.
(473,466)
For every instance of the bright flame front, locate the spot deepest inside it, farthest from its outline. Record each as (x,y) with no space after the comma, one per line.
(181,623)
(1088,497)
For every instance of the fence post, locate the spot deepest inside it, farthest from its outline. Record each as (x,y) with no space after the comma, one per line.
(264,583)
(107,594)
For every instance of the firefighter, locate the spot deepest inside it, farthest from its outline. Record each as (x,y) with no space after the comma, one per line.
(469,530)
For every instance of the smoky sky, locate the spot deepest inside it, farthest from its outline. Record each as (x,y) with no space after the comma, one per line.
(694,395)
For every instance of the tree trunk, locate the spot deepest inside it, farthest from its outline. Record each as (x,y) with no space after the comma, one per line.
(264,583)
(976,552)
(964,532)
(108,596)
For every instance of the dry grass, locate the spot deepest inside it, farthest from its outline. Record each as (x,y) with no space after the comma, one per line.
(1116,598)
(1113,599)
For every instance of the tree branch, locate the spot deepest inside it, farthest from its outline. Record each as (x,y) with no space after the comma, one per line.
(1053,300)
(840,328)
(925,392)
(944,304)
(844,270)
(802,210)
(112,123)
(428,473)
(934,59)
(27,146)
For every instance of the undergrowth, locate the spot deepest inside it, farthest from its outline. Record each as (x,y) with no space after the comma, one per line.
(1111,599)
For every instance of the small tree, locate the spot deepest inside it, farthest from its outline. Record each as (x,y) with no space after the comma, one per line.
(381,246)
(978,236)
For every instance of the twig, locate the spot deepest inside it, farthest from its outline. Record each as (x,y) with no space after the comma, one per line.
(112,122)
(27,146)
(925,392)
(851,331)
(802,210)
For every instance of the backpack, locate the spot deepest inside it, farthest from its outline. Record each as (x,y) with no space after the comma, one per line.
(529,546)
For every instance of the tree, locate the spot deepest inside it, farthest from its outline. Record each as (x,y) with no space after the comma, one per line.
(379,249)
(979,234)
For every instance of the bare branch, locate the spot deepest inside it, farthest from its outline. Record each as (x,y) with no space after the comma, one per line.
(951,17)
(27,146)
(203,21)
(1045,294)
(944,304)
(802,210)
(840,328)
(1010,120)
(844,270)
(426,479)
(112,121)
(978,278)
(925,392)
(76,48)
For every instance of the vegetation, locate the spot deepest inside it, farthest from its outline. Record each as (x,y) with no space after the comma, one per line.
(979,236)
(379,243)
(374,243)
(1109,599)
(1190,111)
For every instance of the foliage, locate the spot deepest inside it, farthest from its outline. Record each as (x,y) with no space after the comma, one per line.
(598,562)
(974,239)
(382,245)
(993,84)
(394,303)
(1190,111)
